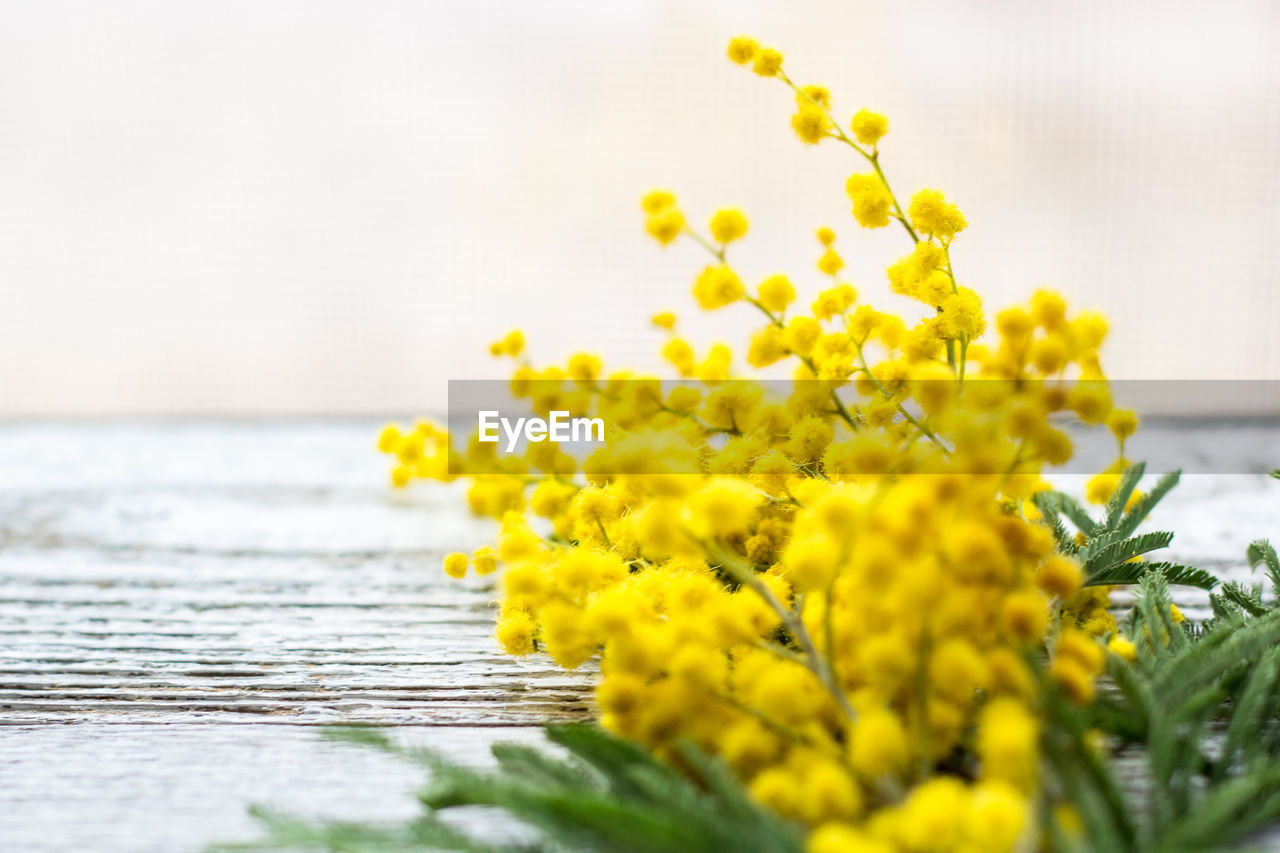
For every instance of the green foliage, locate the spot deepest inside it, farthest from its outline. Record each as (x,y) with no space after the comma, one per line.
(1235,602)
(1131,573)
(1110,542)
(1186,692)
(1261,553)
(607,794)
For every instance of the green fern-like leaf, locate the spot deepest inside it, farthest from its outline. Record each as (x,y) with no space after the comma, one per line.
(1140,510)
(1227,812)
(1261,553)
(1078,515)
(1048,506)
(1253,710)
(1248,601)
(286,832)
(607,794)
(1125,549)
(1228,650)
(1120,497)
(1185,684)
(1094,546)
(536,766)
(1130,573)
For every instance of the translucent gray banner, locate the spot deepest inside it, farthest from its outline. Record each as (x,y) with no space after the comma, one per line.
(629,426)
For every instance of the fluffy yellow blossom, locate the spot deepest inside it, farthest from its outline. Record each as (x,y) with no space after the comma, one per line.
(1048,309)
(1060,576)
(664,320)
(1049,354)
(716,287)
(1026,615)
(879,745)
(1081,648)
(511,345)
(1074,679)
(933,817)
(810,124)
(728,225)
(931,213)
(830,263)
(1088,330)
(724,507)
(826,236)
(1091,400)
(1122,648)
(389,438)
(665,225)
(742,49)
(836,837)
(868,127)
(584,367)
(680,354)
(767,347)
(1101,486)
(525,582)
(834,301)
(808,438)
(810,563)
(455,565)
(776,293)
(813,95)
(1123,423)
(923,274)
(871,201)
(485,561)
(961,315)
(997,818)
(515,632)
(1007,748)
(715,367)
(1014,324)
(766,62)
(801,334)
(656,201)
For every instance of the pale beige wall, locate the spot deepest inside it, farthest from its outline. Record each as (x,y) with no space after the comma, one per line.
(246,207)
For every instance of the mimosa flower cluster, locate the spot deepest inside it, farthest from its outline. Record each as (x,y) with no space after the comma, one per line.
(854,600)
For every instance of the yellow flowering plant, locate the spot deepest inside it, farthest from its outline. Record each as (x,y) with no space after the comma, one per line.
(860,595)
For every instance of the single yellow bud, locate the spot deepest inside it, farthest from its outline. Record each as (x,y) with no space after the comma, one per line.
(1123,648)
(1123,423)
(767,62)
(728,225)
(742,49)
(869,127)
(455,565)
(664,320)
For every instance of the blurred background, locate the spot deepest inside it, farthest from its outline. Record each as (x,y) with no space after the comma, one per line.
(244,208)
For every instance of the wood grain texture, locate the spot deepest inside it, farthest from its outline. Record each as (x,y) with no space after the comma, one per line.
(181,602)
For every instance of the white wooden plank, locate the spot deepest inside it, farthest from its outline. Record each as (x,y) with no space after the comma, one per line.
(193,598)
(176,788)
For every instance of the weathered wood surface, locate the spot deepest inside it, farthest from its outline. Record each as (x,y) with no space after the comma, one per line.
(181,603)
